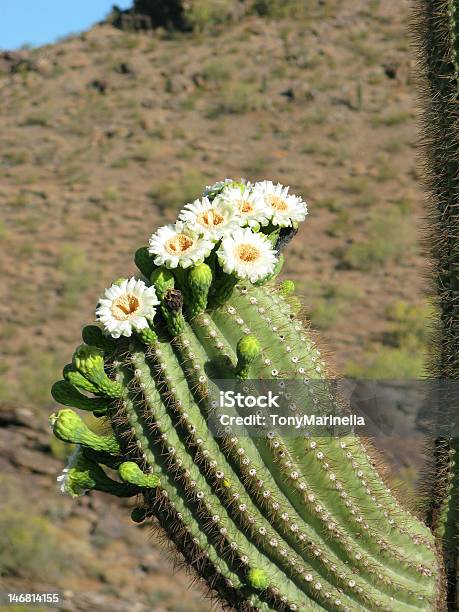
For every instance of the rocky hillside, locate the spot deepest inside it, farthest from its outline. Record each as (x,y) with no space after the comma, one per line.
(104,136)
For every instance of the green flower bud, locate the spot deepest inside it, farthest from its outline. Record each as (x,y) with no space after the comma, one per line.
(164,283)
(144,261)
(94,336)
(286,288)
(77,379)
(83,474)
(247,350)
(162,279)
(69,427)
(199,282)
(147,335)
(66,394)
(200,276)
(76,479)
(257,578)
(132,474)
(89,360)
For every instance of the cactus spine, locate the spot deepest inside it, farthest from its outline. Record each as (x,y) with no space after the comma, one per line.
(270,522)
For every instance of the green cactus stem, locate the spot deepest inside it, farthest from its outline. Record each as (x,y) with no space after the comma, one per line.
(269,521)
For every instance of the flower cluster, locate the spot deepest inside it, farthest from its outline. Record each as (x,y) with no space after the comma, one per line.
(235,223)
(234,219)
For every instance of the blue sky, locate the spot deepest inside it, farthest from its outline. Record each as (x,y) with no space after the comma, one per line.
(38,22)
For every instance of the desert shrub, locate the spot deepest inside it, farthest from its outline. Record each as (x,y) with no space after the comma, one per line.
(408,324)
(14,157)
(391,119)
(144,151)
(174,194)
(219,69)
(406,343)
(276,9)
(395,363)
(77,275)
(39,118)
(203,13)
(258,166)
(389,238)
(334,302)
(37,375)
(236,98)
(30,546)
(340,225)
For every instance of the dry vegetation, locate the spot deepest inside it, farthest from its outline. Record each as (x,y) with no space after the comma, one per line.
(111,132)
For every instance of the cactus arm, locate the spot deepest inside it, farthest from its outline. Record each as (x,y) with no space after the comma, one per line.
(192,420)
(436,28)
(167,367)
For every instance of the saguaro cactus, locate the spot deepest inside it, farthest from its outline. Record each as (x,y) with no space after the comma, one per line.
(437,28)
(270,521)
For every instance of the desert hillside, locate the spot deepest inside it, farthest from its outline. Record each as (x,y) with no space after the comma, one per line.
(104,135)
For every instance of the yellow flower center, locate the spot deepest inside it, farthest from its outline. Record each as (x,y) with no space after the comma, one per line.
(277,203)
(178,244)
(245,206)
(210,218)
(247,253)
(125,306)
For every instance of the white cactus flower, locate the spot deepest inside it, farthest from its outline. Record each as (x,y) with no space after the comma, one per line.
(247,255)
(285,209)
(127,306)
(213,220)
(177,245)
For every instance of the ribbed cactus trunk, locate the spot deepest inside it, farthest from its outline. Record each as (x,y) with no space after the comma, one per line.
(269,521)
(437,30)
